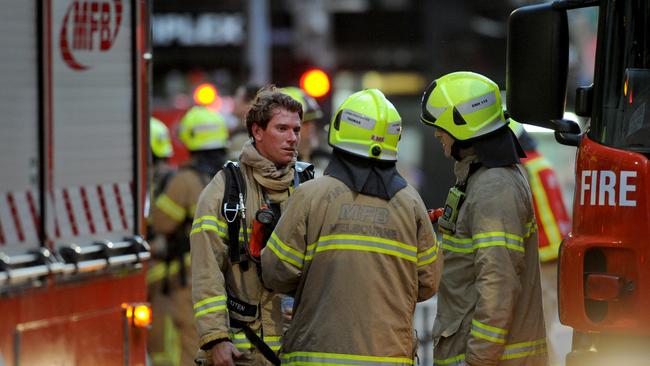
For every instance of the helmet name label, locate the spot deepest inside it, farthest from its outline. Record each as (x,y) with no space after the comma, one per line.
(477,103)
(394,128)
(607,188)
(358,119)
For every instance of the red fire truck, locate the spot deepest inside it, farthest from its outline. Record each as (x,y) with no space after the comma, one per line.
(604,274)
(73,158)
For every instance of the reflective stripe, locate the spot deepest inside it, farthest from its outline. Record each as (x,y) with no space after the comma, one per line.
(492,334)
(284,252)
(451,361)
(511,351)
(436,111)
(240,341)
(171,208)
(524,349)
(320,358)
(546,215)
(209,305)
(160,270)
(273,342)
(211,223)
(489,239)
(363,244)
(428,256)
(492,239)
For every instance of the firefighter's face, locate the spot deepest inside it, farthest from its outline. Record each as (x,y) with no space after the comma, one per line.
(446,140)
(278,142)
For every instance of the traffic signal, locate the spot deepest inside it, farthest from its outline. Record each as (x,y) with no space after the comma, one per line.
(315,82)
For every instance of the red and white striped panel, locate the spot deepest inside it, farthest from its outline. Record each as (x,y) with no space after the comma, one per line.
(88,212)
(19,218)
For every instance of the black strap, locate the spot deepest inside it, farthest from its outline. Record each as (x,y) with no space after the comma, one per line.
(238,306)
(232,210)
(256,341)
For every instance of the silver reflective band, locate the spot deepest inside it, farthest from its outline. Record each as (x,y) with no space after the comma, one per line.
(494,125)
(394,128)
(209,305)
(358,119)
(302,358)
(478,103)
(436,111)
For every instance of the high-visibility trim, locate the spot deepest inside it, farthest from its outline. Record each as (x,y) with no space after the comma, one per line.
(321,358)
(511,351)
(211,223)
(544,211)
(210,305)
(524,349)
(488,239)
(428,256)
(240,341)
(284,252)
(161,269)
(273,342)
(171,208)
(487,332)
(364,244)
(451,361)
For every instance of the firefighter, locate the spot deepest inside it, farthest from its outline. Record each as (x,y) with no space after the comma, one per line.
(553,224)
(238,320)
(204,134)
(489,304)
(161,151)
(311,114)
(356,247)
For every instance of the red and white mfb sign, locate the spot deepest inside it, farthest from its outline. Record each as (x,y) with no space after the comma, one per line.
(91,155)
(89,27)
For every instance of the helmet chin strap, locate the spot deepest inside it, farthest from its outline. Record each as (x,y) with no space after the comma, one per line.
(459,149)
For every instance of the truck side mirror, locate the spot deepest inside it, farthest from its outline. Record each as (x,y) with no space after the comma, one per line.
(537,64)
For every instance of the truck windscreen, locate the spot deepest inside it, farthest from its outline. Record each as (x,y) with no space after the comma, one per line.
(621,118)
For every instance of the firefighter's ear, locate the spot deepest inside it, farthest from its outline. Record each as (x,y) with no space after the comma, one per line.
(258,132)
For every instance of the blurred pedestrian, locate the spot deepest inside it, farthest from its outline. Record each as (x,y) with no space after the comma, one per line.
(243,98)
(238,319)
(205,135)
(553,223)
(490,303)
(356,247)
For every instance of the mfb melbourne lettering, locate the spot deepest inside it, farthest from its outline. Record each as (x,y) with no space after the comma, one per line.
(607,188)
(89,26)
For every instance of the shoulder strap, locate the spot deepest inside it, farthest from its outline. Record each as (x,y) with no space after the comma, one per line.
(234,210)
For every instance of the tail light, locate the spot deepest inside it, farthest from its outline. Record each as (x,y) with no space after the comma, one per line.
(138,314)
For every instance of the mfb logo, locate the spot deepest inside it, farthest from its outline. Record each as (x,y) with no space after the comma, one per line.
(89,27)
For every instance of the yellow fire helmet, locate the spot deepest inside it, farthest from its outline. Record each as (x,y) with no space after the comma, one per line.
(516,127)
(161,143)
(310,109)
(367,125)
(203,129)
(464,104)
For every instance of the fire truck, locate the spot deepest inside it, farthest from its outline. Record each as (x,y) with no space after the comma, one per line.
(73,159)
(604,269)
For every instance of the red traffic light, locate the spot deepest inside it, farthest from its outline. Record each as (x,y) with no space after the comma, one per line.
(315,82)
